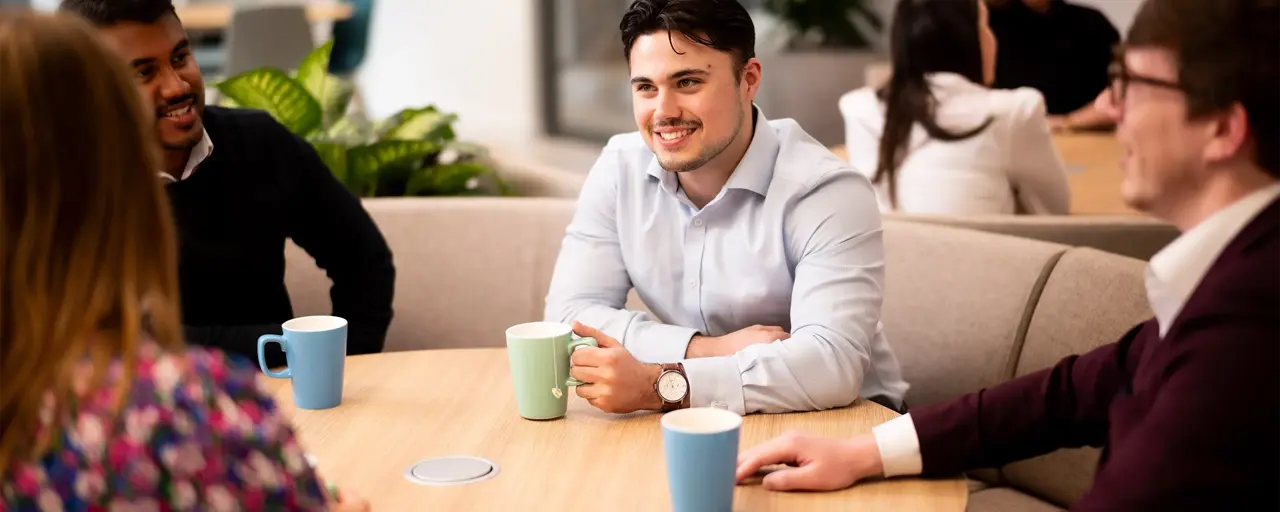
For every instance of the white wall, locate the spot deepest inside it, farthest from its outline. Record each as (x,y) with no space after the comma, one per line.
(1120,12)
(478,58)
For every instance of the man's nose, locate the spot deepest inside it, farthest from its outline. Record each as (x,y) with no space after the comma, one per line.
(667,108)
(173,86)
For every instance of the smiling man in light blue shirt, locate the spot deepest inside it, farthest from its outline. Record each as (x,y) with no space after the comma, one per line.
(734,230)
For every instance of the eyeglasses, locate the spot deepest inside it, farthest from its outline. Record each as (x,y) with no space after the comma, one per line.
(1121,77)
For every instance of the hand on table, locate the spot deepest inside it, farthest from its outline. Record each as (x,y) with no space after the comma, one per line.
(730,344)
(820,463)
(614,381)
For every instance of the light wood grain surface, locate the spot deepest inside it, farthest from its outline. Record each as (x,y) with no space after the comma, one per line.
(399,408)
(217,15)
(1093,164)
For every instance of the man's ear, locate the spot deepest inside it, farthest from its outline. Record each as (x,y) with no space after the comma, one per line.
(751,74)
(1229,135)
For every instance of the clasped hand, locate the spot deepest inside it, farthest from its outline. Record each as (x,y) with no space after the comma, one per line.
(614,381)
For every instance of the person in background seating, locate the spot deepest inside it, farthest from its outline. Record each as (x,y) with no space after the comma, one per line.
(760,248)
(241,184)
(1061,49)
(936,139)
(101,406)
(1185,405)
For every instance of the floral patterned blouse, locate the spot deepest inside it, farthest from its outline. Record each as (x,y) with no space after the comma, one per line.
(197,432)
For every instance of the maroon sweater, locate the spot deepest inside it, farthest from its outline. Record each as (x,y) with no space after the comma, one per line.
(1190,422)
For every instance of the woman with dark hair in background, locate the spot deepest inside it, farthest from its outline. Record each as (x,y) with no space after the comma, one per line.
(936,138)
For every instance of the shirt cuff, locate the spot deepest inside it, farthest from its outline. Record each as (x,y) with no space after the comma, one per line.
(715,382)
(659,343)
(899,446)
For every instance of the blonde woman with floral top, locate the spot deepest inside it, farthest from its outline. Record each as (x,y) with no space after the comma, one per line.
(101,406)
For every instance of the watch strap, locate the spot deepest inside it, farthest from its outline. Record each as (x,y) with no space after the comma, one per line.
(684,401)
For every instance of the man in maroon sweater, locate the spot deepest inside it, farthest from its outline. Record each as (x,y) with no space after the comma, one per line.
(1186,405)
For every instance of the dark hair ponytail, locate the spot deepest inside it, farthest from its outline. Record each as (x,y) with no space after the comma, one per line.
(928,36)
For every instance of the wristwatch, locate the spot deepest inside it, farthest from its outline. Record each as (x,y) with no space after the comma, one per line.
(672,387)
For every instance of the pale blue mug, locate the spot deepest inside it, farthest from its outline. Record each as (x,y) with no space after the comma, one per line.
(701,446)
(315,348)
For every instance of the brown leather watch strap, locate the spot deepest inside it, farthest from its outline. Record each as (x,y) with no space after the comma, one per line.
(683,403)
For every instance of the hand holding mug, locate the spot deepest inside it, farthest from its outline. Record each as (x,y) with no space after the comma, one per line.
(613,380)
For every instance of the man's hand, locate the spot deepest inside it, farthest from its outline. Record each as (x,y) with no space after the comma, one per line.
(614,380)
(730,344)
(820,464)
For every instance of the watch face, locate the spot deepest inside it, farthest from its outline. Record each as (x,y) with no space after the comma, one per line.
(672,386)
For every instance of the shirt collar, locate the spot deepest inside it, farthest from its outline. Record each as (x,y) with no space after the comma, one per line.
(754,172)
(1174,273)
(199,153)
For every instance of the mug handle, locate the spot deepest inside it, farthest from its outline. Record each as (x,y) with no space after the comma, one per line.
(262,356)
(576,344)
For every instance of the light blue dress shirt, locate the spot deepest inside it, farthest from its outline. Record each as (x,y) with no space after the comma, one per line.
(793,240)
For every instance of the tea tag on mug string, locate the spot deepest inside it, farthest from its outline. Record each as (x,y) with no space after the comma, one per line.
(555,375)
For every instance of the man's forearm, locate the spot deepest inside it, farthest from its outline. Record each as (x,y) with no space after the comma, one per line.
(647,340)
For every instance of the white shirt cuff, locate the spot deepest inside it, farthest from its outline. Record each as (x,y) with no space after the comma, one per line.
(899,446)
(715,382)
(659,343)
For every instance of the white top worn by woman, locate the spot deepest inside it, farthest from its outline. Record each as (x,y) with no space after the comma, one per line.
(1010,167)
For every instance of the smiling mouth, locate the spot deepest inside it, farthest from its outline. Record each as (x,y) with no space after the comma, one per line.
(675,135)
(178,112)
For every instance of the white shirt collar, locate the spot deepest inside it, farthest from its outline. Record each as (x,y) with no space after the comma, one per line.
(199,153)
(1176,271)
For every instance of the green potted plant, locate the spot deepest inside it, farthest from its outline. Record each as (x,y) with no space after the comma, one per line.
(821,47)
(839,24)
(412,153)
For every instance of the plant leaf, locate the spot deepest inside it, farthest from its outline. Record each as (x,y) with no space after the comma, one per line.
(421,124)
(452,179)
(334,155)
(282,97)
(365,163)
(333,93)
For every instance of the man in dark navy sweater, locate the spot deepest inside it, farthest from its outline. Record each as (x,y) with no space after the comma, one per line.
(240,185)
(1186,405)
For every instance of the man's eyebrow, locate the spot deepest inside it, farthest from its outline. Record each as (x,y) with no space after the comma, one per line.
(683,73)
(182,45)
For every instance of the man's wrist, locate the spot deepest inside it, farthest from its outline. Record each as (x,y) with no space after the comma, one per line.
(699,346)
(655,402)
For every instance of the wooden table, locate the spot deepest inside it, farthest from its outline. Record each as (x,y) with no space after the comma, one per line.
(402,407)
(217,15)
(1093,172)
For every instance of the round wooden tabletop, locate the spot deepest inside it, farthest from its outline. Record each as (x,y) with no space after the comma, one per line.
(400,408)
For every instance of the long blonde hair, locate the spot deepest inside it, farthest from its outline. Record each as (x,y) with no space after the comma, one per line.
(87,251)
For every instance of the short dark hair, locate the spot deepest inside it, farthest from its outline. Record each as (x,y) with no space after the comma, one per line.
(1228,52)
(110,12)
(720,24)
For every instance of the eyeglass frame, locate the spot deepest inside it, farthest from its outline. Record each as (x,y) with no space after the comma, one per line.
(1119,78)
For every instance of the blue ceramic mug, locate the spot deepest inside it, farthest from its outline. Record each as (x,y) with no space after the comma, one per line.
(315,348)
(701,446)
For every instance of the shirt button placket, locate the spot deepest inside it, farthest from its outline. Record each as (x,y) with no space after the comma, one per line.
(695,244)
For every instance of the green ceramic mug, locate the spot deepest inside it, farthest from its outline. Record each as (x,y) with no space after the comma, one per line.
(539,354)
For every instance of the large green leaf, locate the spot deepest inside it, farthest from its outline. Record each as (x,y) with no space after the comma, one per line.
(421,124)
(282,97)
(334,155)
(364,163)
(333,93)
(452,179)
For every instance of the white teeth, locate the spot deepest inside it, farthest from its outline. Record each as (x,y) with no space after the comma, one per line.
(178,112)
(673,135)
